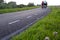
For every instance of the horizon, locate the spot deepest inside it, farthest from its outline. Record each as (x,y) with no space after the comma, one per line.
(50,2)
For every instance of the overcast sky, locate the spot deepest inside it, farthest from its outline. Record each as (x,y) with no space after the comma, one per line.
(50,2)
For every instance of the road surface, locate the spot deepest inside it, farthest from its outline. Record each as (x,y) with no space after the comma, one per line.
(11,22)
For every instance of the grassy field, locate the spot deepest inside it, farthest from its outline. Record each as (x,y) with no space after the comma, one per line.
(16,9)
(43,28)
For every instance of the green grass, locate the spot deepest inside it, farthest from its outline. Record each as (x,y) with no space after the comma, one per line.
(42,28)
(2,11)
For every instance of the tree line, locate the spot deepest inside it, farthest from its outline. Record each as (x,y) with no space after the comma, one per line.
(13,4)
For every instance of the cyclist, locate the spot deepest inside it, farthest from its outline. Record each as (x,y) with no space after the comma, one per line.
(44,4)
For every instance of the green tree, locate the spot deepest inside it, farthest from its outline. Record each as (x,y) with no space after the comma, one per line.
(30,4)
(1,1)
(3,5)
(12,5)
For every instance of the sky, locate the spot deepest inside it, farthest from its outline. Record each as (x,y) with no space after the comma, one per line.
(50,2)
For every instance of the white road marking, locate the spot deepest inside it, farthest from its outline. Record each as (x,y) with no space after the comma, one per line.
(29,16)
(14,22)
(31,23)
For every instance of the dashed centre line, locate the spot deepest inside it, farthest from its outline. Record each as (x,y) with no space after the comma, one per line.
(29,16)
(14,22)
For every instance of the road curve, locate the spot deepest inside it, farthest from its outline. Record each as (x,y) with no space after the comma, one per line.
(11,22)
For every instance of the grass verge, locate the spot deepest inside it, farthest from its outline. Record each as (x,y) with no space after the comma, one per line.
(2,11)
(42,28)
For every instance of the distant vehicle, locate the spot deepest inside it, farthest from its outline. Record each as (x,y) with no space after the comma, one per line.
(44,4)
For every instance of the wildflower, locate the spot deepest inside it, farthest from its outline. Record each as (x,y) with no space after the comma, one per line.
(47,38)
(55,33)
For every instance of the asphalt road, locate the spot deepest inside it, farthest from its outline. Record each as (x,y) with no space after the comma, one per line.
(11,22)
